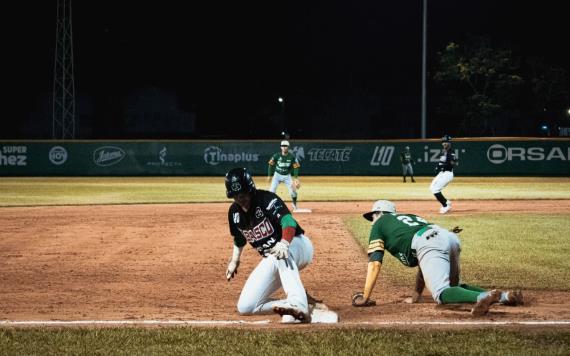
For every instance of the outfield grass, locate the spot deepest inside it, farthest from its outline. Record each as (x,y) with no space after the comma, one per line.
(195,341)
(528,251)
(131,190)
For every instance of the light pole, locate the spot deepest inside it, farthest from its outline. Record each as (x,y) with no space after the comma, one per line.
(424,46)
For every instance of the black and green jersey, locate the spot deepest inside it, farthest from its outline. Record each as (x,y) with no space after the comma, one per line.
(394,233)
(406,157)
(284,164)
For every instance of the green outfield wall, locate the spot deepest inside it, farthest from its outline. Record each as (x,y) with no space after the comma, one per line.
(497,157)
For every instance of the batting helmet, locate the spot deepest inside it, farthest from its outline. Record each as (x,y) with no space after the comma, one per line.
(380,206)
(238,180)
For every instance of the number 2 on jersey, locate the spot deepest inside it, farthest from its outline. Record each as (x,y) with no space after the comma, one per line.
(408,220)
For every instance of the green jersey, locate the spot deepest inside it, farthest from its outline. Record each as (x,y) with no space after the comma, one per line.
(284,164)
(394,232)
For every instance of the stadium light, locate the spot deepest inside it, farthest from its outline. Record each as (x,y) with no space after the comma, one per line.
(280,99)
(568,111)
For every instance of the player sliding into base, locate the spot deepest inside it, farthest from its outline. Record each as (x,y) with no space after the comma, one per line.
(262,219)
(415,242)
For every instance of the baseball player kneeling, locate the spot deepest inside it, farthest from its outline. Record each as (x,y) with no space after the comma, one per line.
(262,219)
(415,242)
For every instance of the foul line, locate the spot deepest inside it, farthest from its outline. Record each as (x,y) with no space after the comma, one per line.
(265,322)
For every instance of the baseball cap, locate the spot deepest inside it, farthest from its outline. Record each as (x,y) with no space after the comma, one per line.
(380,205)
(284,143)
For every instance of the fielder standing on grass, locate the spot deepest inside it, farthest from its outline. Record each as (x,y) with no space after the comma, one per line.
(444,169)
(262,219)
(281,166)
(407,161)
(435,250)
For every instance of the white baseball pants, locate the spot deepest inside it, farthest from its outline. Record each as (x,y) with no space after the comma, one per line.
(280,178)
(271,274)
(433,252)
(441,180)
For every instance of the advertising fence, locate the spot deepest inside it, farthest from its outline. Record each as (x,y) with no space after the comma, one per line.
(508,157)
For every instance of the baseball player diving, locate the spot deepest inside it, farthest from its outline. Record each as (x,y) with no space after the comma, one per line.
(281,165)
(444,169)
(262,219)
(435,250)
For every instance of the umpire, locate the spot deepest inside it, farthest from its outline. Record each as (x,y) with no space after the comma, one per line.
(407,160)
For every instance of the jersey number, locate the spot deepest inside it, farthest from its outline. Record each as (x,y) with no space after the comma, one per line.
(408,220)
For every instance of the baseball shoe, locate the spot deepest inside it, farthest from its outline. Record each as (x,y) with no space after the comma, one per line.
(289,319)
(413,180)
(312,300)
(287,309)
(513,298)
(294,207)
(482,306)
(446,208)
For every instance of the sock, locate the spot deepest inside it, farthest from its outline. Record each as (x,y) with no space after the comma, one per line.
(482,295)
(294,200)
(441,199)
(459,295)
(473,288)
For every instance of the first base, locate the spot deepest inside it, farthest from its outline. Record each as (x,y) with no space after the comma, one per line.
(302,210)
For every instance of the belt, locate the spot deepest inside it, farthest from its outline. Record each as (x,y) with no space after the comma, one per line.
(424,229)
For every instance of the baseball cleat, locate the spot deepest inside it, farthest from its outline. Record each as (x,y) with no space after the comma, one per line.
(446,208)
(297,313)
(514,298)
(482,307)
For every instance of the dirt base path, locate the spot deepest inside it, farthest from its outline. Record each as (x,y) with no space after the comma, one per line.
(137,262)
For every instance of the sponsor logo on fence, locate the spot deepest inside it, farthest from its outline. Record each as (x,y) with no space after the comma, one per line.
(108,156)
(319,154)
(214,155)
(162,161)
(382,156)
(13,156)
(498,154)
(58,155)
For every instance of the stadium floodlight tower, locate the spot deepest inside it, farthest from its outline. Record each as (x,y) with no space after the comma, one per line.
(63,124)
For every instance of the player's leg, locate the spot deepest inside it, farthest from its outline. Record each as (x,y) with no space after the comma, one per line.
(433,250)
(436,186)
(404,171)
(300,256)
(255,297)
(274,183)
(411,171)
(292,190)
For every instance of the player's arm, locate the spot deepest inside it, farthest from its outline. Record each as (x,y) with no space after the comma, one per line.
(296,166)
(239,243)
(419,287)
(271,167)
(278,212)
(375,256)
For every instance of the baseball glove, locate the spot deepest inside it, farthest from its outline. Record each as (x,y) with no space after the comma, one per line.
(359,301)
(456,230)
(297,183)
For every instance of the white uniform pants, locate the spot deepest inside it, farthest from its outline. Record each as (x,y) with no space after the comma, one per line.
(407,169)
(434,248)
(440,181)
(271,274)
(280,178)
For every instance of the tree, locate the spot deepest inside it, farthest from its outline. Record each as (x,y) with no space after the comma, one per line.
(481,83)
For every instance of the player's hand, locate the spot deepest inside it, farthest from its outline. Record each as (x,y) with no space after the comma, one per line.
(359,301)
(281,250)
(232,269)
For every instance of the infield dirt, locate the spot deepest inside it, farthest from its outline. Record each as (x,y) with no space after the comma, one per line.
(136,262)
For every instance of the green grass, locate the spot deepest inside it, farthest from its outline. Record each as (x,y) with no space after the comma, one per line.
(131,190)
(528,251)
(195,341)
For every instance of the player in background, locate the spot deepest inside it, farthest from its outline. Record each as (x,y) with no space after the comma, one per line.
(435,250)
(407,161)
(281,166)
(447,161)
(262,219)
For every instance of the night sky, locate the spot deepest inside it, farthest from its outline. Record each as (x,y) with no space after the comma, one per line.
(181,70)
